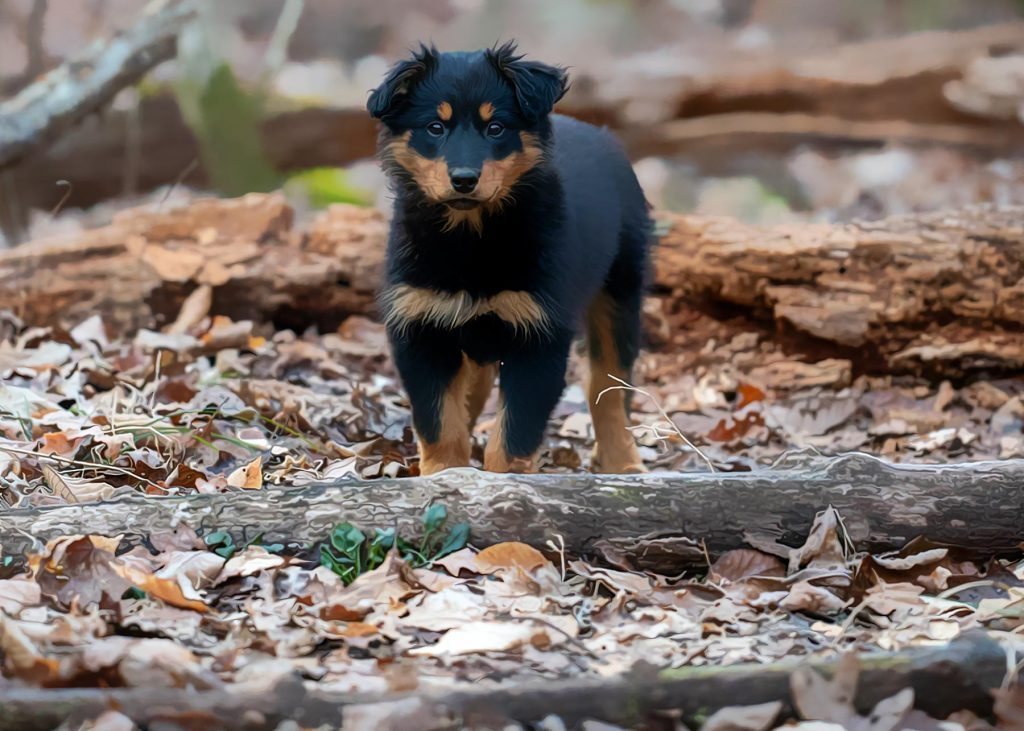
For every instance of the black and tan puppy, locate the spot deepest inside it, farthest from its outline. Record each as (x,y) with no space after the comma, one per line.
(514,229)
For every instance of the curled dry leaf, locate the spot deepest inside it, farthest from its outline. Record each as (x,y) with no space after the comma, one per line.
(823,547)
(250,561)
(109,721)
(18,593)
(478,637)
(743,718)
(249,476)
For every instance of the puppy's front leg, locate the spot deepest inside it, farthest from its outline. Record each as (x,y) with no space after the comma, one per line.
(437,379)
(531,384)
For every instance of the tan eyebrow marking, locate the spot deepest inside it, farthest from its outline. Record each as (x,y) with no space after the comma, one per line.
(486,111)
(444,111)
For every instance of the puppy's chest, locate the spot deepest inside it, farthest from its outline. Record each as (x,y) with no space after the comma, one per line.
(484,289)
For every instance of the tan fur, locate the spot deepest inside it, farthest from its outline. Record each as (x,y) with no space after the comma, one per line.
(616,450)
(452,449)
(480,386)
(405,304)
(474,218)
(486,111)
(496,459)
(498,176)
(430,175)
(444,111)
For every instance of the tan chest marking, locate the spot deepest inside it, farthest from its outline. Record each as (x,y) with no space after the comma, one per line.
(405,304)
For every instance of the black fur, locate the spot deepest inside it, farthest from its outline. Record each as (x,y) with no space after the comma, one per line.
(572,226)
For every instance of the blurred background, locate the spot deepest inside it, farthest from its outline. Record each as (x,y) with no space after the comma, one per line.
(785,112)
(766,110)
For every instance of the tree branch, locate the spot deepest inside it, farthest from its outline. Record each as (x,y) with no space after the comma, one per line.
(46,109)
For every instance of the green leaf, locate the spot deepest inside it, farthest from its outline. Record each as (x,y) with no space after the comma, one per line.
(434,517)
(347,539)
(456,539)
(217,537)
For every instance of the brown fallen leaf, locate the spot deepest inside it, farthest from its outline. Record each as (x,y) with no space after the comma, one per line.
(509,555)
(79,569)
(743,562)
(21,658)
(73,490)
(166,590)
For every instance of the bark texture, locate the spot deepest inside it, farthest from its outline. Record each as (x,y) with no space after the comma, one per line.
(955,677)
(661,522)
(940,293)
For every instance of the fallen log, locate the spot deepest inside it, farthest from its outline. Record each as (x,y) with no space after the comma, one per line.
(939,293)
(958,676)
(663,522)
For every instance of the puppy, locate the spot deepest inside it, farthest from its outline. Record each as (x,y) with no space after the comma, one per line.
(514,229)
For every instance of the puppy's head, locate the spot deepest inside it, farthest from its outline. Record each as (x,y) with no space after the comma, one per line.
(462,129)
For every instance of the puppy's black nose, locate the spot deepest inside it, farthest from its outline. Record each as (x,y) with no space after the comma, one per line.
(464,179)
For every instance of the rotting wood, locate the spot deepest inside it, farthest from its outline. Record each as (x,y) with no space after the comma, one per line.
(662,522)
(958,676)
(939,293)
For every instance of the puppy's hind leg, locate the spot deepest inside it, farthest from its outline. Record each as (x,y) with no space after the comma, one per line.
(531,384)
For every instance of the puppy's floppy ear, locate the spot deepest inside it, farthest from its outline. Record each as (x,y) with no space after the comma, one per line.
(537,85)
(386,98)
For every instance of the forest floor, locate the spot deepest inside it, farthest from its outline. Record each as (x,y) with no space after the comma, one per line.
(88,414)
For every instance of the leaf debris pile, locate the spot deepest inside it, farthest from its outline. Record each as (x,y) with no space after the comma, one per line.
(98,611)
(231,405)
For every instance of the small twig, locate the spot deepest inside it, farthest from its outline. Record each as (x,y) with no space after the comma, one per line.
(69,188)
(664,414)
(178,181)
(560,550)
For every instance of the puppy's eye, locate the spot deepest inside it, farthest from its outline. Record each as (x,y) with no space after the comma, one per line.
(494,129)
(436,129)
